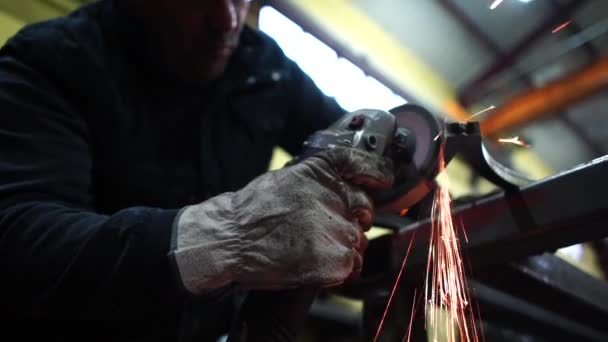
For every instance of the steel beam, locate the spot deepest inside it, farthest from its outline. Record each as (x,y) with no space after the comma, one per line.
(596,148)
(566,209)
(470,92)
(524,317)
(553,96)
(554,284)
(471,27)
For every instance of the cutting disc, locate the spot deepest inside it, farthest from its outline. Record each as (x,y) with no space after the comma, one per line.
(414,178)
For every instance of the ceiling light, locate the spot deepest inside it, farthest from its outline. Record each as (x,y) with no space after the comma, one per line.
(495,4)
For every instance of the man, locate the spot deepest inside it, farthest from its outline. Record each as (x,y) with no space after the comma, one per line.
(131,137)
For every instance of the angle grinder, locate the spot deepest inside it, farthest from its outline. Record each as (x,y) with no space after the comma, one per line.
(411,137)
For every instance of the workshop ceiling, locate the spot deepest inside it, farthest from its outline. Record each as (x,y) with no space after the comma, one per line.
(433,34)
(513,50)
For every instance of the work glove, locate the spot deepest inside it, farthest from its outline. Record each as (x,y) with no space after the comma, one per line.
(300,225)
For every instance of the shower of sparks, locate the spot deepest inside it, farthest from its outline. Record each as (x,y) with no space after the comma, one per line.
(481,112)
(495,4)
(514,141)
(395,286)
(445,285)
(561,27)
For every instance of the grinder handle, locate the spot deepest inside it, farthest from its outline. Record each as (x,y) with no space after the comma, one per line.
(273,316)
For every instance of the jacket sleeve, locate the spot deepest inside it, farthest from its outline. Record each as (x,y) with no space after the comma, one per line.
(309,109)
(58,257)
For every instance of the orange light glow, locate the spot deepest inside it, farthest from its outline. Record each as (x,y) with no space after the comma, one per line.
(404,211)
(514,141)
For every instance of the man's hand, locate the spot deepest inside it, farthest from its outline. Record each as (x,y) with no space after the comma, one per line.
(301,225)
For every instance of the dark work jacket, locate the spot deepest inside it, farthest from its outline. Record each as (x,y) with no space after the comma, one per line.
(99,151)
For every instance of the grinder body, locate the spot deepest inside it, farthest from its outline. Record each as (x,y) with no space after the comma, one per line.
(408,135)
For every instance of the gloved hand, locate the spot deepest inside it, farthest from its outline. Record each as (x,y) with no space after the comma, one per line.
(301,225)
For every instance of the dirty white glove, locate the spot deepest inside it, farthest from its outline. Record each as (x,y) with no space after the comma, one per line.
(301,225)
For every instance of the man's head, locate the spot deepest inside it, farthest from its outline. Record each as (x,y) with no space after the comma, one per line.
(193,39)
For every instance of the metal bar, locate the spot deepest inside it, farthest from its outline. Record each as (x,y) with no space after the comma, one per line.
(596,148)
(471,27)
(564,47)
(575,29)
(553,96)
(522,316)
(552,283)
(470,92)
(568,208)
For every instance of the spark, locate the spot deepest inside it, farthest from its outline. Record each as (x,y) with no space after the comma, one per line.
(397,281)
(481,112)
(445,284)
(561,27)
(495,4)
(514,141)
(408,335)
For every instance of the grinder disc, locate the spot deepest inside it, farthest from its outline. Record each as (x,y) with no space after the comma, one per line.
(414,178)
